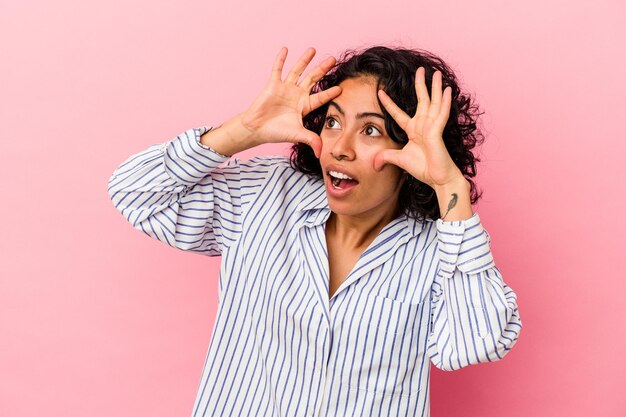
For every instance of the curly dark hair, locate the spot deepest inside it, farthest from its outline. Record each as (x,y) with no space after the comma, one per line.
(395,70)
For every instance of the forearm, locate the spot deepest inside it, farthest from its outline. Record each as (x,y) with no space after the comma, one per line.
(475,315)
(454,200)
(167,192)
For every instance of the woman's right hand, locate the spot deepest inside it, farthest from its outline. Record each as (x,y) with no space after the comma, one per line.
(276,114)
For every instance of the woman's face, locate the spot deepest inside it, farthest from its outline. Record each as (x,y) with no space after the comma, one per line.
(353,133)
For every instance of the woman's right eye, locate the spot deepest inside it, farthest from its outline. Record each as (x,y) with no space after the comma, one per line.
(331,123)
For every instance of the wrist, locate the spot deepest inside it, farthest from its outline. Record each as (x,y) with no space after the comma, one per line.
(229,138)
(459,184)
(454,200)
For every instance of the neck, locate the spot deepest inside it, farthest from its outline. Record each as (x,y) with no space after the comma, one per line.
(357,232)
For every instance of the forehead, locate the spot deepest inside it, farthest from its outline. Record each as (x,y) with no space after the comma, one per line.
(358,95)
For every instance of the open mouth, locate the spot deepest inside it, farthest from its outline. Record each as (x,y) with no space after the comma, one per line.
(340,180)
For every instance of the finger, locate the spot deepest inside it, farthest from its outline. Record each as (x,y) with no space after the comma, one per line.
(387,156)
(277,69)
(401,118)
(300,66)
(435,93)
(423,101)
(314,76)
(319,99)
(444,112)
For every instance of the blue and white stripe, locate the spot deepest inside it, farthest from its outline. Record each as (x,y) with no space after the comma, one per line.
(280,346)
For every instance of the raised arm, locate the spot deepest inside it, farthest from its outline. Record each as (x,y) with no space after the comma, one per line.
(177,193)
(474,314)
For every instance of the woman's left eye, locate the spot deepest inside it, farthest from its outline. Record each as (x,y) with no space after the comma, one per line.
(371,131)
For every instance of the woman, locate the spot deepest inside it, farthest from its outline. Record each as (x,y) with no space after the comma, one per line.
(341,276)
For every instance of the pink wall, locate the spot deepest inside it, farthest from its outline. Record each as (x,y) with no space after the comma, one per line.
(97,319)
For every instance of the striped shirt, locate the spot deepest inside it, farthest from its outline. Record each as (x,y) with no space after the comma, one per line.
(421,292)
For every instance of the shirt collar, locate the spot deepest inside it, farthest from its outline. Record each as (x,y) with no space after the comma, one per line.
(314,196)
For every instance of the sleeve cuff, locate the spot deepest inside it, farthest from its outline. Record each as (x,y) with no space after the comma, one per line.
(187,160)
(201,131)
(464,244)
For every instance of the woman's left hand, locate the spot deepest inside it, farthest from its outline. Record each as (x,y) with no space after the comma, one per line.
(425,156)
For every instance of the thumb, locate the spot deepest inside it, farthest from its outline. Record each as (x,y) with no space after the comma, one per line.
(387,156)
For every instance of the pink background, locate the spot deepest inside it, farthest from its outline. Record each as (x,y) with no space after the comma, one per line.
(98,319)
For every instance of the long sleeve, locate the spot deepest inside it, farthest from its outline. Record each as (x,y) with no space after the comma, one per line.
(185,194)
(474,314)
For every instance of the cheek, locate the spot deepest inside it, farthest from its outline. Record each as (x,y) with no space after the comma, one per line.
(395,182)
(392,173)
(328,140)
(388,180)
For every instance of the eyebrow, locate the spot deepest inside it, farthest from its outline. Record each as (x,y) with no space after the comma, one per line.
(359,115)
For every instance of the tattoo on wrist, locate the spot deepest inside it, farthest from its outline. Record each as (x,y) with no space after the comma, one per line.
(451,204)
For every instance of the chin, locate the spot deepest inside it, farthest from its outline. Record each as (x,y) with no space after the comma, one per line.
(341,208)
(349,208)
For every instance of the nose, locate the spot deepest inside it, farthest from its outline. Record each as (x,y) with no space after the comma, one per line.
(343,147)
